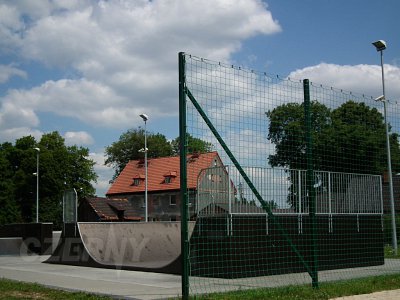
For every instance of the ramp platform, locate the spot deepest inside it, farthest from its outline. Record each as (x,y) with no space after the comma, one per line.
(152,246)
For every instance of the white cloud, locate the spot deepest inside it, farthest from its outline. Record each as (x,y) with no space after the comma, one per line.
(125,52)
(14,116)
(10,26)
(11,134)
(364,79)
(105,173)
(6,72)
(78,138)
(85,100)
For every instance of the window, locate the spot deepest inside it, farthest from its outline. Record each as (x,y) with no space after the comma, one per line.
(172,200)
(169,176)
(143,202)
(137,179)
(192,199)
(215,178)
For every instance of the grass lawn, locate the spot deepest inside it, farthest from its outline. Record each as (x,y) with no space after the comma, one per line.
(10,289)
(18,290)
(389,252)
(325,291)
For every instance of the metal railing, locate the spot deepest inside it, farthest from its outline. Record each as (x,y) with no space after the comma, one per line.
(221,191)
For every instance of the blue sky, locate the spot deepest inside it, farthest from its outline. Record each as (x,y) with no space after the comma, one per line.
(89,68)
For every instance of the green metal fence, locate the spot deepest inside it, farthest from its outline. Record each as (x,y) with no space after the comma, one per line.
(298,191)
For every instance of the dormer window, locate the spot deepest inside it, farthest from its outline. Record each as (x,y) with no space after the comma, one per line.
(169,177)
(137,179)
(193,157)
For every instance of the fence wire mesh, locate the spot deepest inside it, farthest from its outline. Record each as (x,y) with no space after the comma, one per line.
(280,202)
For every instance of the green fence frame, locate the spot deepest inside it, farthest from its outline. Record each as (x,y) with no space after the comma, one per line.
(186,96)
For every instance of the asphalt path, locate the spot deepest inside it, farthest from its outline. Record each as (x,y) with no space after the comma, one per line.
(123,284)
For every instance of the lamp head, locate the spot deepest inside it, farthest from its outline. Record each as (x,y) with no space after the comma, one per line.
(37,149)
(379,45)
(144,117)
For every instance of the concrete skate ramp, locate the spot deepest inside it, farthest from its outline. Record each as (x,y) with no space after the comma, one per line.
(152,246)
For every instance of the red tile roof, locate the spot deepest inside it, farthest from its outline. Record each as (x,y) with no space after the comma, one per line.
(107,209)
(158,169)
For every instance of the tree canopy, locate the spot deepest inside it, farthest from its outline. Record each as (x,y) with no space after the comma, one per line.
(128,146)
(350,138)
(61,167)
(119,153)
(286,131)
(194,145)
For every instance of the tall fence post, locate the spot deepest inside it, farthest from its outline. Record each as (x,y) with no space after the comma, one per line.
(183,181)
(310,181)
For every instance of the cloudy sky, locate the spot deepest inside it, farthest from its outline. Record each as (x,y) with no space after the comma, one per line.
(88,68)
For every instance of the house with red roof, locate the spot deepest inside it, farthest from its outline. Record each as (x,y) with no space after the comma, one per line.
(163,184)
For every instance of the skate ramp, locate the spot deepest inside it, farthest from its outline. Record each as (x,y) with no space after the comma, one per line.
(152,246)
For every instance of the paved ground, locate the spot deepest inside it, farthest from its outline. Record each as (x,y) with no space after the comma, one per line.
(146,285)
(122,284)
(385,295)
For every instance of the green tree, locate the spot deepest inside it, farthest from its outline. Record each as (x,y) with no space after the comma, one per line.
(128,146)
(9,209)
(359,137)
(194,145)
(286,131)
(23,160)
(80,173)
(350,139)
(60,168)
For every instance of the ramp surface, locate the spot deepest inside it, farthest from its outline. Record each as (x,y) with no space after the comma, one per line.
(152,246)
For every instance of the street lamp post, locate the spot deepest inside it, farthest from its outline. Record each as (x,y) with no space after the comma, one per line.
(145,118)
(37,184)
(380,46)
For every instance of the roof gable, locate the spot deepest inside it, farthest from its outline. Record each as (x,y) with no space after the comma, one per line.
(160,168)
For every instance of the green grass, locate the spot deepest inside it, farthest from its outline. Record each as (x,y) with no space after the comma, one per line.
(306,292)
(389,252)
(10,290)
(17,290)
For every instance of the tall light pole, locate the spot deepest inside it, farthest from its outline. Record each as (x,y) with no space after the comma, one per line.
(145,118)
(37,184)
(380,46)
